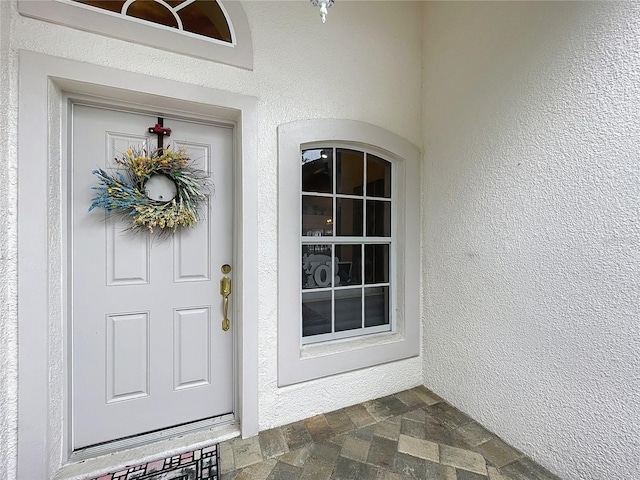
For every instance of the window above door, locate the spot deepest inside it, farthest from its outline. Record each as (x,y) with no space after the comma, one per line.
(209,29)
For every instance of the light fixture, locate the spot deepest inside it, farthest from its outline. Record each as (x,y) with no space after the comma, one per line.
(324,5)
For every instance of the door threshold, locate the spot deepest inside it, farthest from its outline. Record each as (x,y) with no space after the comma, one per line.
(105,463)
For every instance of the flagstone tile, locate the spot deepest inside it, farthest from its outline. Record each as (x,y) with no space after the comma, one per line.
(498,452)
(413,429)
(284,471)
(359,415)
(448,416)
(315,469)
(259,471)
(340,422)
(273,443)
(419,448)
(365,433)
(466,475)
(355,449)
(409,435)
(347,469)
(437,471)
(296,435)
(474,434)
(409,398)
(494,474)
(326,452)
(246,451)
(417,415)
(318,428)
(526,469)
(410,466)
(463,459)
(378,410)
(297,457)
(382,452)
(227,463)
(388,429)
(387,475)
(395,406)
(426,395)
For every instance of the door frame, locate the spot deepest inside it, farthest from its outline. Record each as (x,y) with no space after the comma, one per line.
(43,354)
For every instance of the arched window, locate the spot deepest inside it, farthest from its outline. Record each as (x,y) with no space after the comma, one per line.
(200,17)
(208,29)
(348,248)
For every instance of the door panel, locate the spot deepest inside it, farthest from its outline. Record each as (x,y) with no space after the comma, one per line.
(148,350)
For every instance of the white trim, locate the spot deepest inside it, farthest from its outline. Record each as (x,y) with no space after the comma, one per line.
(298,363)
(239,53)
(41,305)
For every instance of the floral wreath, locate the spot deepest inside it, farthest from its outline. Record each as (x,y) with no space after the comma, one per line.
(125,193)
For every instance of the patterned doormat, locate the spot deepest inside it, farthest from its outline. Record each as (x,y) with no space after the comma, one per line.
(201,464)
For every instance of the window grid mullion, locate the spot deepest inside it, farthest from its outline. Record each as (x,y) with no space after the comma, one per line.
(364,233)
(334,234)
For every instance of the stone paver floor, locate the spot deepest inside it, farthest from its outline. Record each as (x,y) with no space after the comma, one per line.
(410,435)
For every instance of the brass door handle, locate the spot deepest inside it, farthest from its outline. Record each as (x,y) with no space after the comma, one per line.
(225,291)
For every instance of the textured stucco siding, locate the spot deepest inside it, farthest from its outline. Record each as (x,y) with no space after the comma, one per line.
(363,64)
(532,226)
(8,235)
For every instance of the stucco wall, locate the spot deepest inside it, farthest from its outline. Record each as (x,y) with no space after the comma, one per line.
(8,267)
(363,64)
(532,226)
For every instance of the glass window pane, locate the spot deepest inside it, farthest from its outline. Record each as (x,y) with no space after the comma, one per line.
(378,218)
(378,177)
(152,12)
(316,313)
(348,309)
(376,263)
(349,172)
(317,216)
(349,260)
(316,266)
(205,18)
(317,170)
(349,217)
(376,306)
(111,5)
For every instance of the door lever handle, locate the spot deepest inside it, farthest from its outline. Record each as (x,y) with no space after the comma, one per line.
(225,291)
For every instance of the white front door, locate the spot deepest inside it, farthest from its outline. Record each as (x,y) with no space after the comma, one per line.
(148,348)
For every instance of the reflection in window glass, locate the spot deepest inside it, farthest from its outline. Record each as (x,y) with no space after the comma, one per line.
(346,271)
(200,17)
(316,313)
(349,172)
(152,12)
(317,268)
(348,309)
(378,177)
(376,306)
(349,216)
(376,263)
(378,218)
(348,258)
(317,170)
(317,216)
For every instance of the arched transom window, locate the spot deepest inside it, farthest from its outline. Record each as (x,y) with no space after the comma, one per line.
(215,30)
(200,17)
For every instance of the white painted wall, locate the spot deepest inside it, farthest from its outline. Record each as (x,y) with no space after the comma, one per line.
(370,70)
(532,226)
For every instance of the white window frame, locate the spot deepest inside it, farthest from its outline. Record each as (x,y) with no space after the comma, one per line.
(359,240)
(297,362)
(238,53)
